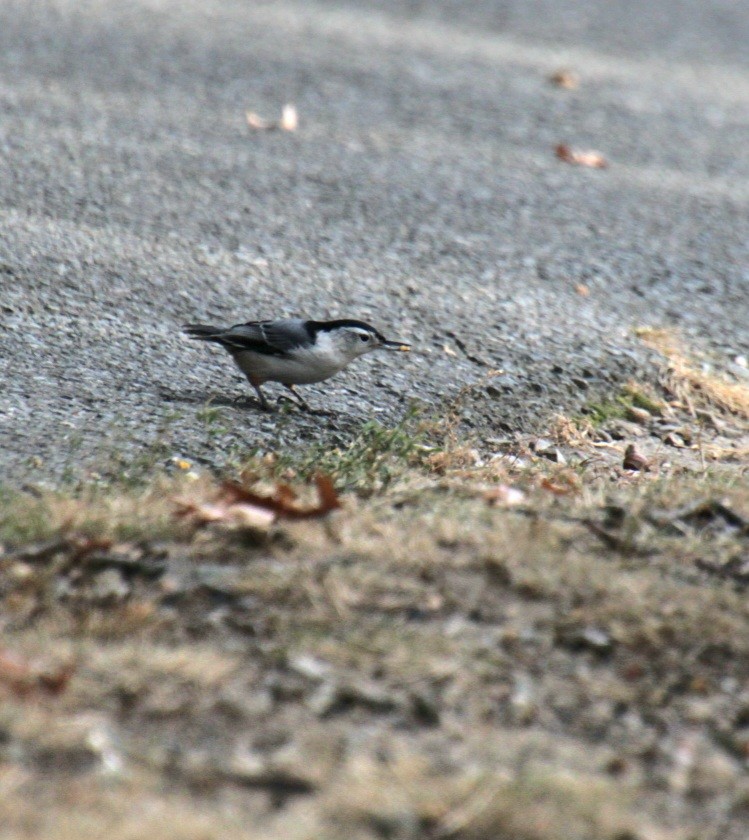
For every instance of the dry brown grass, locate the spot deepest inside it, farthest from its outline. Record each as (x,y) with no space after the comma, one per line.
(689,381)
(82,810)
(428,665)
(525,797)
(567,431)
(100,511)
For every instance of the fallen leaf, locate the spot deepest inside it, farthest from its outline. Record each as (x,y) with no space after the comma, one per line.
(639,415)
(286,493)
(85,546)
(24,677)
(503,494)
(282,503)
(634,459)
(546,449)
(289,120)
(327,492)
(238,506)
(257,123)
(582,290)
(564,485)
(589,637)
(594,160)
(56,682)
(617,543)
(565,78)
(242,515)
(675,440)
(250,516)
(202,514)
(703,512)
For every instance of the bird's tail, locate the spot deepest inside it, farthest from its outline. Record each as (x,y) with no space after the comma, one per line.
(203,332)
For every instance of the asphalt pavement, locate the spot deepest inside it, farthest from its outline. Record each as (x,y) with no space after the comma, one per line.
(421,192)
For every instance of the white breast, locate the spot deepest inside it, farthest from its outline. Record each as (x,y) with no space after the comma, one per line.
(301,367)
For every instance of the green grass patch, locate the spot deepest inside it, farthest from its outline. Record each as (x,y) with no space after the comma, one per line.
(618,406)
(24,518)
(600,413)
(117,512)
(374,457)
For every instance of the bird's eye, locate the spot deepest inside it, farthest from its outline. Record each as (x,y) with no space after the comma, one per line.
(364,337)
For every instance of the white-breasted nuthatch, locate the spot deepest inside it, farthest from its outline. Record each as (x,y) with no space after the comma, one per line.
(293,351)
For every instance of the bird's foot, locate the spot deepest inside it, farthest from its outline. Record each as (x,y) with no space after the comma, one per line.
(305,407)
(249,402)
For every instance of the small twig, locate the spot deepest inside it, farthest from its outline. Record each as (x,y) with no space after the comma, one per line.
(700,508)
(462,816)
(619,544)
(700,446)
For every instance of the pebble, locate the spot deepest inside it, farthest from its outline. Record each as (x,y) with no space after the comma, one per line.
(547,449)
(675,440)
(639,415)
(634,459)
(109,585)
(623,429)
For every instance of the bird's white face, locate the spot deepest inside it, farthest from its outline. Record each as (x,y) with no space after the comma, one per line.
(348,342)
(355,341)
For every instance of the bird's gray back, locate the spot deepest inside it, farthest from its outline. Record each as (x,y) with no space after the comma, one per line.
(271,337)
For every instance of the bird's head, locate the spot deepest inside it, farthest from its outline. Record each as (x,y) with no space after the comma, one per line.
(355,338)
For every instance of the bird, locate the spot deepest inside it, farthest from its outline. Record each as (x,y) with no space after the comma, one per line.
(294,351)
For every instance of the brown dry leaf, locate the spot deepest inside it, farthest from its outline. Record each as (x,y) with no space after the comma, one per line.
(282,503)
(13,669)
(503,494)
(639,415)
(594,160)
(285,493)
(565,78)
(24,677)
(563,485)
(239,507)
(257,123)
(241,515)
(728,453)
(634,459)
(328,495)
(84,546)
(289,120)
(202,514)
(250,516)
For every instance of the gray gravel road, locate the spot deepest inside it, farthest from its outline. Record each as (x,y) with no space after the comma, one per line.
(421,192)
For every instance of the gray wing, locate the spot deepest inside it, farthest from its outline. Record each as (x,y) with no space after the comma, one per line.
(274,338)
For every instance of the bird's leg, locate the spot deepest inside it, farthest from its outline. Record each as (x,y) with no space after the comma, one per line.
(261,396)
(300,398)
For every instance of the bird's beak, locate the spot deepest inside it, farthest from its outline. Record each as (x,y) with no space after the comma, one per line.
(396,345)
